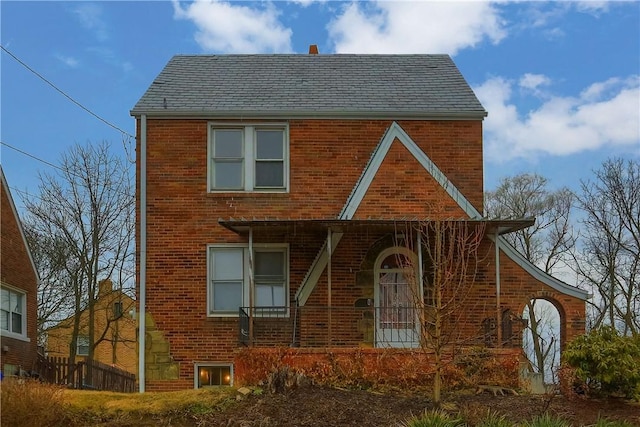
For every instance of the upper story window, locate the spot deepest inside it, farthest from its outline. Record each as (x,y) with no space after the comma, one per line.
(248,158)
(117,309)
(13,319)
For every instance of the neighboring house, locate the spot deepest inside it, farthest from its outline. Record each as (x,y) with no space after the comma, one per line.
(270,193)
(115,327)
(19,289)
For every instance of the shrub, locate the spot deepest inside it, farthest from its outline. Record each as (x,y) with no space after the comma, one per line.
(435,418)
(27,402)
(493,419)
(546,420)
(606,423)
(606,362)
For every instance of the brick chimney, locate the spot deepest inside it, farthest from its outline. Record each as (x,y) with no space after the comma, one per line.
(105,287)
(313,49)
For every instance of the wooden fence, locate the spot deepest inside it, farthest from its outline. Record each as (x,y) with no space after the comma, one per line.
(84,375)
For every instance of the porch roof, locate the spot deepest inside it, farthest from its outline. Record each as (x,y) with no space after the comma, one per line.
(242,226)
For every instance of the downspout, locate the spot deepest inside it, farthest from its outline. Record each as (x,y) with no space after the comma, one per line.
(329,252)
(420,290)
(498,309)
(142,324)
(251,287)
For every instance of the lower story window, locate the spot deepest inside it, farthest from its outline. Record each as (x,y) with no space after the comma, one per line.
(213,375)
(230,278)
(82,345)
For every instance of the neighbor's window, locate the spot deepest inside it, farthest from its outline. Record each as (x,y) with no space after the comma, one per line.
(117,309)
(213,375)
(82,345)
(13,308)
(248,158)
(229,278)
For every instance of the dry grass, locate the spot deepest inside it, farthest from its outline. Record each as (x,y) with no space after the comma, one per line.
(34,404)
(26,403)
(109,403)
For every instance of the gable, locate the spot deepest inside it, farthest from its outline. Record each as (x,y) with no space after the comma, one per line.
(17,266)
(396,133)
(403,188)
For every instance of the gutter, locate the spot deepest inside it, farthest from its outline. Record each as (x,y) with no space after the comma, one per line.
(142,321)
(310,114)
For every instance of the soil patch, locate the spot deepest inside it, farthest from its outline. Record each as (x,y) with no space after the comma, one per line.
(322,406)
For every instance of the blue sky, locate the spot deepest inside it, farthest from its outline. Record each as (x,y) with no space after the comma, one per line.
(560,80)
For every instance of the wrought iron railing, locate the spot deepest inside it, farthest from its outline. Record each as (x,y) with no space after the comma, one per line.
(357,326)
(322,326)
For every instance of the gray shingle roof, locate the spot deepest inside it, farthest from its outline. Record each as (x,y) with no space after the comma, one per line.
(311,85)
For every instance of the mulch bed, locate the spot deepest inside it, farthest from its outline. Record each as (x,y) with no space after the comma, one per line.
(323,406)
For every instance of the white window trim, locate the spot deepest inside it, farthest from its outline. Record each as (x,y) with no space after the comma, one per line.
(86,338)
(9,334)
(249,163)
(198,365)
(246,274)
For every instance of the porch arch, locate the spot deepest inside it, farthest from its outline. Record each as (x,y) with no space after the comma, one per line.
(546,331)
(551,298)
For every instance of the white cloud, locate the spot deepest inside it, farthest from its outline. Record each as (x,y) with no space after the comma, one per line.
(605,114)
(306,3)
(67,60)
(414,27)
(227,28)
(534,81)
(90,16)
(593,7)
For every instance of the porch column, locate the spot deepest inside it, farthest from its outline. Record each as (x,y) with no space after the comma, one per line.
(498,309)
(251,287)
(420,289)
(329,252)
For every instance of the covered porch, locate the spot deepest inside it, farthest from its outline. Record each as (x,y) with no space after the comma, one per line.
(361,294)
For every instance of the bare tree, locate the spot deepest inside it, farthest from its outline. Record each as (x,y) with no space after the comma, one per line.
(86,211)
(55,294)
(548,244)
(609,262)
(450,258)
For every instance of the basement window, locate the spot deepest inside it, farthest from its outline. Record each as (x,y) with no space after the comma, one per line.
(213,375)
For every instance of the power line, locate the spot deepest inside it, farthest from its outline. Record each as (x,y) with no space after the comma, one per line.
(64,170)
(65,94)
(32,156)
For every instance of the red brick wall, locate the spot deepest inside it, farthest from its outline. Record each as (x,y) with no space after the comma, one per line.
(16,271)
(327,158)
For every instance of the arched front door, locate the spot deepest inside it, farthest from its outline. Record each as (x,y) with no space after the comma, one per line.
(397,320)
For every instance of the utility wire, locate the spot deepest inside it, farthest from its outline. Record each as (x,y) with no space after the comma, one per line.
(32,156)
(64,94)
(67,171)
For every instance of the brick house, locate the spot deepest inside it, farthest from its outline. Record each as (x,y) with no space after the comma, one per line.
(271,189)
(19,288)
(112,322)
